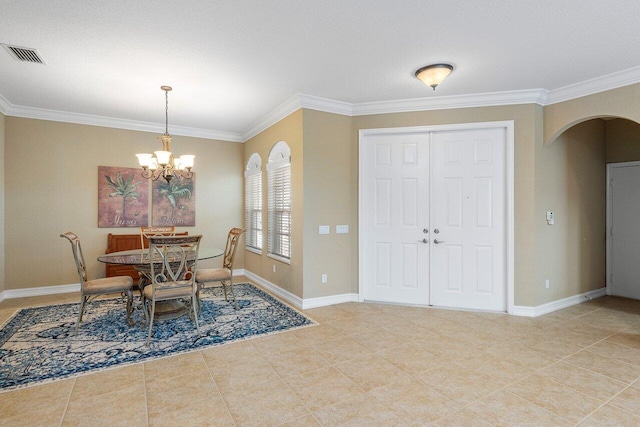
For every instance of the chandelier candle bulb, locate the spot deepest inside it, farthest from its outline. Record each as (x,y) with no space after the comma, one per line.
(144,159)
(187,160)
(163,157)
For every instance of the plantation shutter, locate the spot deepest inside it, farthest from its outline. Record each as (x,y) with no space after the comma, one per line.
(253,209)
(279,200)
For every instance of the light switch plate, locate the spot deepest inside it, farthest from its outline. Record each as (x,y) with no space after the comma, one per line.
(342,229)
(324,229)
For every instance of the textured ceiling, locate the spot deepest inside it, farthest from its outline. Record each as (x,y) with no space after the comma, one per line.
(232,62)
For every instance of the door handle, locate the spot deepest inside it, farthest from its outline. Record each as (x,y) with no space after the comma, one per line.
(437,242)
(423,241)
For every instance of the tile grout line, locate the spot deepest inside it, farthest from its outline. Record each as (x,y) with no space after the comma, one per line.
(606,403)
(66,407)
(284,382)
(146,399)
(217,388)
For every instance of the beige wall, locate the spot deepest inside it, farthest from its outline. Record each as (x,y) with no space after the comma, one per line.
(571,182)
(328,189)
(2,162)
(51,187)
(564,176)
(623,102)
(287,276)
(623,141)
(528,134)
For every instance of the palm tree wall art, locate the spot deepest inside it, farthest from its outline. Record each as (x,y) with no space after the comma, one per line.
(123,197)
(173,202)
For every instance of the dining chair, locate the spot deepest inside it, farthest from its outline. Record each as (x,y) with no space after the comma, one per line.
(90,289)
(224,274)
(150,231)
(172,262)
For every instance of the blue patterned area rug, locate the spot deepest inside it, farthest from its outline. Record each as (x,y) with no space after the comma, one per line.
(37,344)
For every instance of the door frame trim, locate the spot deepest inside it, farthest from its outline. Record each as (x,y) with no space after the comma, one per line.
(609,223)
(508,126)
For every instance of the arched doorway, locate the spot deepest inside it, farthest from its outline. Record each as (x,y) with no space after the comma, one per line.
(579,248)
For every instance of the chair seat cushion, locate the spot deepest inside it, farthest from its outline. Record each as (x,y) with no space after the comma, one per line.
(169,290)
(212,275)
(108,285)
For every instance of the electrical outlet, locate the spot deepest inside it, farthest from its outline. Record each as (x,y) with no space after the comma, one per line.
(274,268)
(546,284)
(324,278)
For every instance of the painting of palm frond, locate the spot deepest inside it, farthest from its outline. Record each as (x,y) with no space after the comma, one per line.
(174,202)
(123,197)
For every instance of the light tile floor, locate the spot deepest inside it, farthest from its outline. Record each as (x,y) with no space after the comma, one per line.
(370,364)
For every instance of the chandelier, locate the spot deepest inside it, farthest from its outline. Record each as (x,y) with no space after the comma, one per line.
(164,164)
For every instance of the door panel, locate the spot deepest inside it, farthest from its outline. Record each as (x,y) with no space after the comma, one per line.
(395,189)
(625,231)
(468,211)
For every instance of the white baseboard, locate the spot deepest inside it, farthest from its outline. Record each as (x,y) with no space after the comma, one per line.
(552,306)
(295,300)
(328,300)
(43,290)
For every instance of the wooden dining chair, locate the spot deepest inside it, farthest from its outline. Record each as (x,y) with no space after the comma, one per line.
(172,262)
(90,289)
(223,275)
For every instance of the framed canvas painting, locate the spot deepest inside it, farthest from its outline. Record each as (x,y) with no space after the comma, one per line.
(174,202)
(123,197)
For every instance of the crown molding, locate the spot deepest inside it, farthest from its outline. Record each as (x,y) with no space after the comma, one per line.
(280,112)
(593,86)
(4,105)
(532,96)
(327,105)
(110,122)
(301,100)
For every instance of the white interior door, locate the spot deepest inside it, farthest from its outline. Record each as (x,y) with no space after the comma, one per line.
(468,208)
(394,218)
(624,236)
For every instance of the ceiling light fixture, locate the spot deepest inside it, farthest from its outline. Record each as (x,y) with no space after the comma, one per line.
(164,164)
(433,75)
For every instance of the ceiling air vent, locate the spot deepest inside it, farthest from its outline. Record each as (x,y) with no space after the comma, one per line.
(24,54)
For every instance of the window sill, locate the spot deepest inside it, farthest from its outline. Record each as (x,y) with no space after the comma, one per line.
(254,250)
(279,258)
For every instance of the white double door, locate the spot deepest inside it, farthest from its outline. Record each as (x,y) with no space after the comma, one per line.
(433,218)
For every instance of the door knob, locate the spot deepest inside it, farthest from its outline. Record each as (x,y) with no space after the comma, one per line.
(423,241)
(437,242)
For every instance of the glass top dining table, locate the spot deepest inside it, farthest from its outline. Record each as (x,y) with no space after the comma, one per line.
(141,256)
(139,259)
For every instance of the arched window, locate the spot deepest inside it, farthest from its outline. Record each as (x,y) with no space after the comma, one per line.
(253,203)
(279,202)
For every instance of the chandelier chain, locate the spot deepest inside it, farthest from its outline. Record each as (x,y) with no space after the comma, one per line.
(166,112)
